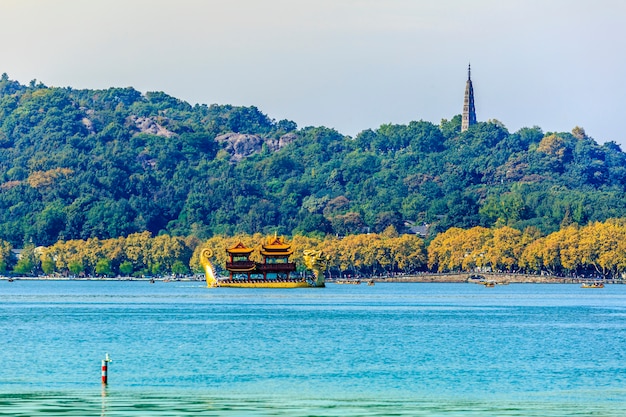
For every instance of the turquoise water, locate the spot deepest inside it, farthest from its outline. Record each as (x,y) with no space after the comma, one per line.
(180,349)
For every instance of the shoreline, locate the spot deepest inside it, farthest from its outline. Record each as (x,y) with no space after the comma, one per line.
(498,278)
(166,280)
(463,277)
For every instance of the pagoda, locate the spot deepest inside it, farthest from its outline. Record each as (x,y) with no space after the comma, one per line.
(275,264)
(239,261)
(469,112)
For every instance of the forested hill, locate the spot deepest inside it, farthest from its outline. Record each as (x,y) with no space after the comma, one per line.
(76,164)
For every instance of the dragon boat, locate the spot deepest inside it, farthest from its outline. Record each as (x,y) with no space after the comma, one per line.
(274,271)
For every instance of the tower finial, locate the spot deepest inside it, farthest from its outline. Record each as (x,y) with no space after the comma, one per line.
(469,71)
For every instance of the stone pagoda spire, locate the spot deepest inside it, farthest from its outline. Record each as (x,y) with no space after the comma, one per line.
(469,112)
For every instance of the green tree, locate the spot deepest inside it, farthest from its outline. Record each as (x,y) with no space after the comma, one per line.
(75,267)
(103,267)
(126,268)
(156,268)
(28,261)
(5,255)
(24,266)
(47,266)
(179,268)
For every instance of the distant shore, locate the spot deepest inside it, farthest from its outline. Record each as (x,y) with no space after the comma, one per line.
(45,278)
(503,278)
(461,277)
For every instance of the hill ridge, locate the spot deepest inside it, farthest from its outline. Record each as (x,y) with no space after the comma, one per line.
(87,163)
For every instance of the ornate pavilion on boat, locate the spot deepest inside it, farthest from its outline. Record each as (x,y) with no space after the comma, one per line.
(275,265)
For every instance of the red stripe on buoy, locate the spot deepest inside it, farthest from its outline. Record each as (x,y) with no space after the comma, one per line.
(104,372)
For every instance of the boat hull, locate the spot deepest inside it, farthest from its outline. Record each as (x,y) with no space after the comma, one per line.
(266,284)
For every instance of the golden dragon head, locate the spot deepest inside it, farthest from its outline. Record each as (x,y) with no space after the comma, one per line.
(316,262)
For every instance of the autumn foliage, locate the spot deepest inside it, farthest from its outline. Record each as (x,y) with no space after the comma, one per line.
(597,249)
(368,254)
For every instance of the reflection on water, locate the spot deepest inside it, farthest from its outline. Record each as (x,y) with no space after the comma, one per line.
(118,404)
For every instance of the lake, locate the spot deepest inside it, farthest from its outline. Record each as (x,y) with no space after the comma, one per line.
(402,349)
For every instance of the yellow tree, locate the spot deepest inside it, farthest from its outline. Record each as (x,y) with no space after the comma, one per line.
(77,259)
(551,252)
(530,234)
(532,256)
(299,244)
(91,252)
(137,249)
(59,253)
(503,250)
(72,256)
(356,251)
(620,250)
(165,250)
(341,253)
(51,253)
(458,249)
(591,245)
(113,250)
(609,259)
(443,252)
(569,241)
(377,252)
(332,247)
(472,242)
(353,252)
(408,252)
(553,145)
(600,245)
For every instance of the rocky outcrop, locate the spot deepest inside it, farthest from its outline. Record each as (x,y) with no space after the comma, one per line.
(88,124)
(284,140)
(150,126)
(242,145)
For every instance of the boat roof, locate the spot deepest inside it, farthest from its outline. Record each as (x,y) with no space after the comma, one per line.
(276,244)
(240,248)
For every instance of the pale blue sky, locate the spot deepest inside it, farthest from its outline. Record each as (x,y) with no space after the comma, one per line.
(346,64)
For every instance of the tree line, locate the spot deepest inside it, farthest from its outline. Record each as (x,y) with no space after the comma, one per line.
(137,255)
(596,249)
(102,164)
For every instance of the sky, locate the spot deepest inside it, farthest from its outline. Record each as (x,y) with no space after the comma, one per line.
(346,64)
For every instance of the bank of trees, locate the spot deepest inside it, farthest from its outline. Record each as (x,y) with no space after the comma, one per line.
(363,254)
(138,254)
(596,249)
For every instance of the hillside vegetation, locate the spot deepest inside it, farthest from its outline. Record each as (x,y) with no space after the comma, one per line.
(80,164)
